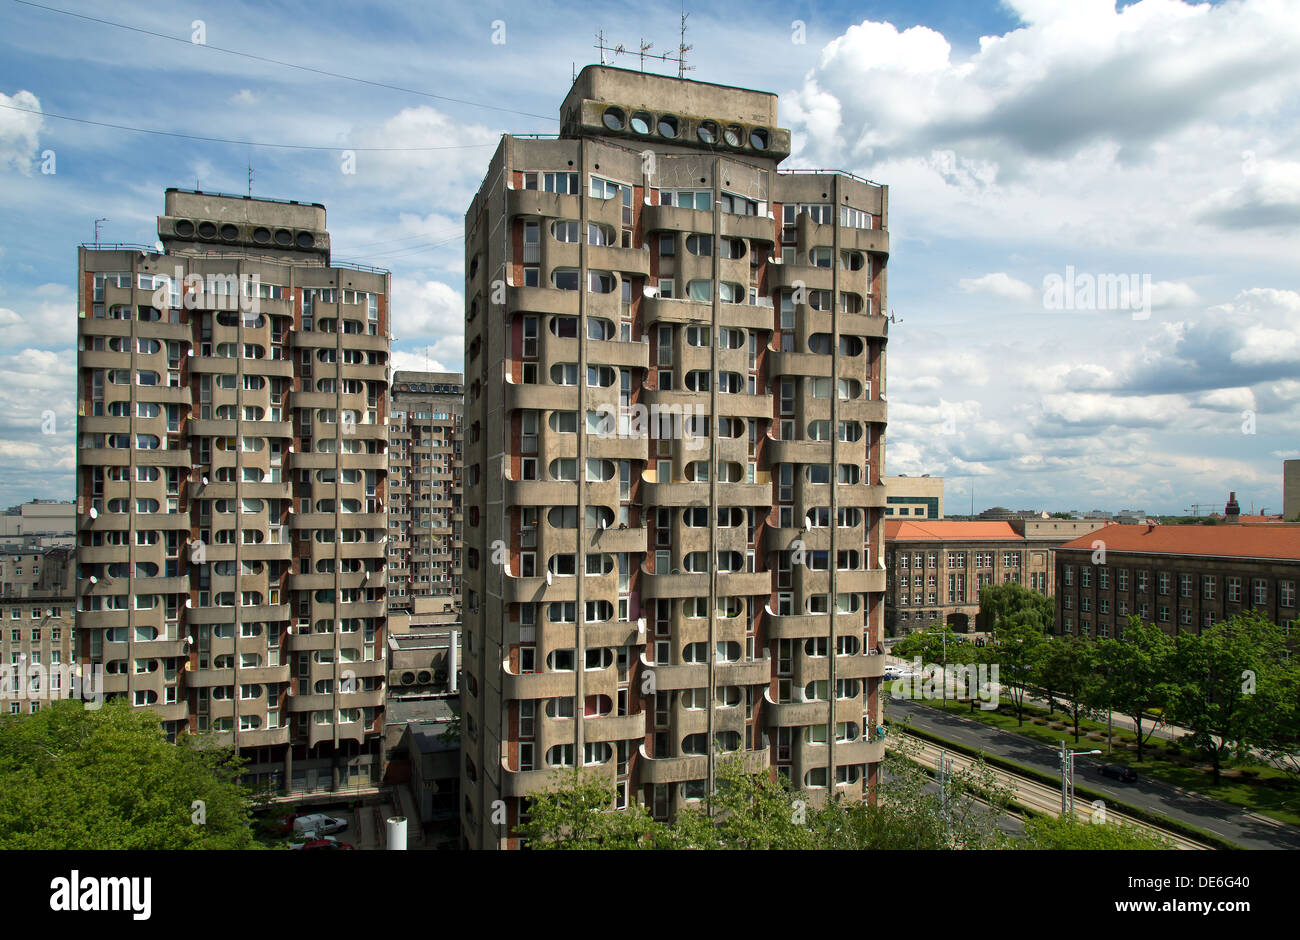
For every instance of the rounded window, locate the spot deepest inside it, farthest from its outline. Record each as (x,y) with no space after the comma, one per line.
(306,239)
(707,132)
(185,228)
(261,235)
(667,126)
(229,232)
(614,118)
(283,237)
(641,122)
(208,229)
(758,139)
(732,135)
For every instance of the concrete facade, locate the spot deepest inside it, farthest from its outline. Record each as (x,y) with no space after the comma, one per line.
(231,480)
(424,510)
(1291,490)
(632,599)
(913,497)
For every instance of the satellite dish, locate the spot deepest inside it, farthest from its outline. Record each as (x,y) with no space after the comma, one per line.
(189,603)
(94,513)
(807,524)
(158,247)
(648,291)
(94,580)
(548,576)
(640,624)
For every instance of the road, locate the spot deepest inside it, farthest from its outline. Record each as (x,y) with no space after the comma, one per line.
(1249,830)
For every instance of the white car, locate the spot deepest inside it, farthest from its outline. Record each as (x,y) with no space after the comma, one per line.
(315,825)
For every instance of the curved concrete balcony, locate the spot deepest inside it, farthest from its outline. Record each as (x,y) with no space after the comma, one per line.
(671,769)
(676,219)
(103,359)
(543,300)
(267,551)
(615,353)
(791,276)
(669,585)
(623,260)
(864,581)
(780,540)
(674,494)
(612,633)
(794,714)
(537,684)
(874,240)
(541,493)
(678,675)
(802,626)
(541,397)
(755,672)
(618,448)
(535,202)
(614,727)
(861,666)
(264,737)
(798,451)
(862,409)
(871,326)
(755,228)
(674,310)
(800,364)
(860,751)
(536,590)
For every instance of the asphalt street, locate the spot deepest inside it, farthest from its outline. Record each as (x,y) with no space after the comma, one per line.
(1246,829)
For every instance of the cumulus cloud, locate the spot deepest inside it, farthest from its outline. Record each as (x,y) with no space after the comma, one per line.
(999,284)
(19,131)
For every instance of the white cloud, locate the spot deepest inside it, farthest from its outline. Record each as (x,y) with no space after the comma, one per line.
(19,131)
(999,284)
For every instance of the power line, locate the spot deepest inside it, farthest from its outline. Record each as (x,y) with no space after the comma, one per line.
(291,65)
(243,143)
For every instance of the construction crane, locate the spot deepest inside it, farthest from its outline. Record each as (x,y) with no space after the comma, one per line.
(1196,508)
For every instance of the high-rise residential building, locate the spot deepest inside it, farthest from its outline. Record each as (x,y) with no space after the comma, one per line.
(1291,490)
(424,511)
(675,362)
(231,478)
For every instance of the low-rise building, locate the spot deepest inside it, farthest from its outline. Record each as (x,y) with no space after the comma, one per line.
(935,570)
(37,635)
(1180,577)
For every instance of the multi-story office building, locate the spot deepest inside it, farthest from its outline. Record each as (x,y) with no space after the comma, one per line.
(937,569)
(1183,578)
(424,511)
(36,629)
(231,476)
(644,592)
(914,497)
(1291,490)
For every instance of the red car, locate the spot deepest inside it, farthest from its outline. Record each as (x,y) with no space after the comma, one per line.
(329,842)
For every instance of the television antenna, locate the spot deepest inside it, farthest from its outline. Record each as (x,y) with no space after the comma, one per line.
(643,52)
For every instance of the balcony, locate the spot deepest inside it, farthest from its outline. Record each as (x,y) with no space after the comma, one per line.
(614,727)
(537,684)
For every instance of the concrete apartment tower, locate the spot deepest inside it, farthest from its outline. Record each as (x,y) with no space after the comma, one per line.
(642,595)
(231,482)
(424,512)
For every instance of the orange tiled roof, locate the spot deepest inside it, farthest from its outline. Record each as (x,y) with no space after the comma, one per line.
(1276,540)
(942,530)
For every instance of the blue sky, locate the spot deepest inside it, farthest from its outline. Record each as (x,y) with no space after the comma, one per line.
(1021,140)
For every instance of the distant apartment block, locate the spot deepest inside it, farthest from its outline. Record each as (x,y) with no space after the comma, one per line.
(652,261)
(913,497)
(232,470)
(37,632)
(425,480)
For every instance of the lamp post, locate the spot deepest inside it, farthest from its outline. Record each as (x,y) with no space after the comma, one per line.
(1067,778)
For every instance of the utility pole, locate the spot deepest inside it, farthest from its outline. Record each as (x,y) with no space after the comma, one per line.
(97,221)
(943,776)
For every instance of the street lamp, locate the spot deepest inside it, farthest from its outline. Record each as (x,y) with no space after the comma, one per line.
(1067,779)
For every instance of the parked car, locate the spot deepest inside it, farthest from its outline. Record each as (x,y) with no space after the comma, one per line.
(315,825)
(1119,772)
(327,843)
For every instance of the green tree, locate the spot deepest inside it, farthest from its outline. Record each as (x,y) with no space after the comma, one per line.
(1225,687)
(576,812)
(1136,667)
(1281,748)
(1068,667)
(1056,833)
(1019,646)
(77,778)
(1003,602)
